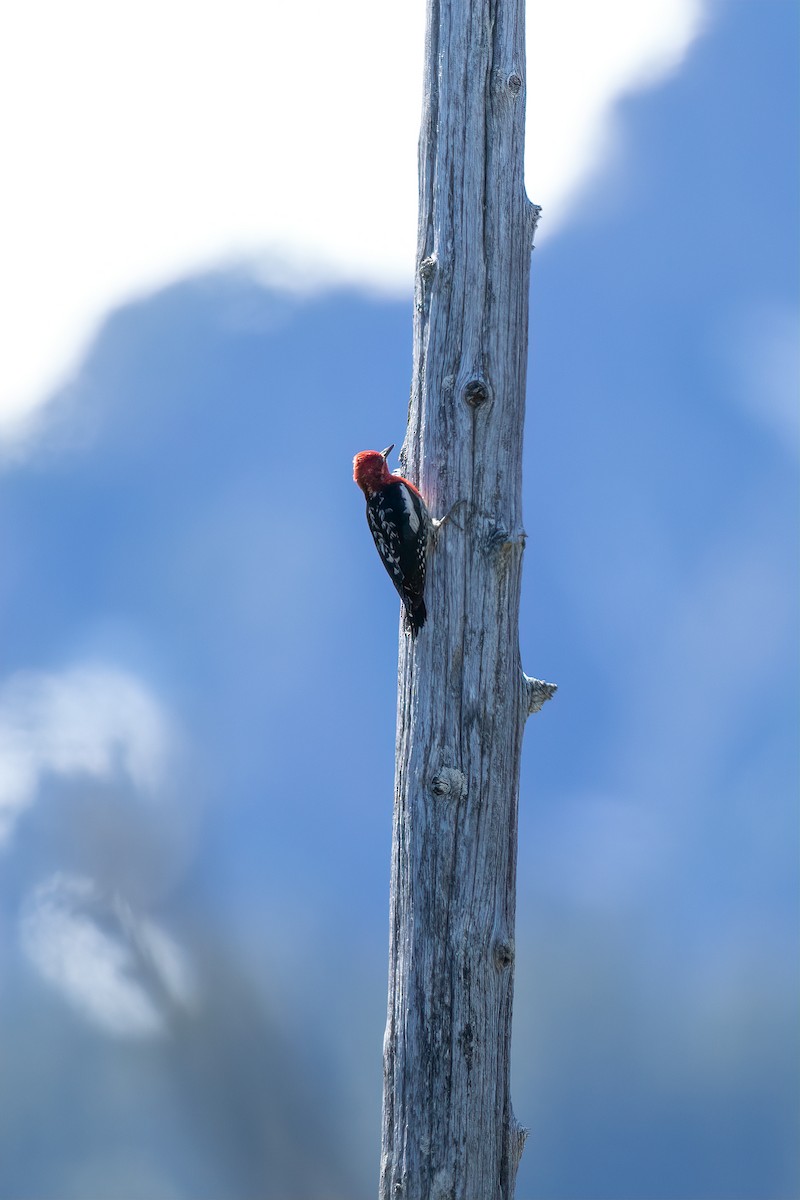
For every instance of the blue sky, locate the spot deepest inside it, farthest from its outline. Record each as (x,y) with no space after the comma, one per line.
(197,680)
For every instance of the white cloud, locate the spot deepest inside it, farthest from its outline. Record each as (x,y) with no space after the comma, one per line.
(582,58)
(141,142)
(118,969)
(90,720)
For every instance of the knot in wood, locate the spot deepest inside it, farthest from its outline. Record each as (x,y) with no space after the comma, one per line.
(449,782)
(514,83)
(476,392)
(497,538)
(504,953)
(427,268)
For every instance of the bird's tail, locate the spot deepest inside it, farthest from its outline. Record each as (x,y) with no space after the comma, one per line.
(415,617)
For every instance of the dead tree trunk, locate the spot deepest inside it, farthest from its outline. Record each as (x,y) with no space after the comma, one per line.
(449,1132)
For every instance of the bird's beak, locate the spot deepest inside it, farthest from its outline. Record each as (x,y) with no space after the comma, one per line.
(385,453)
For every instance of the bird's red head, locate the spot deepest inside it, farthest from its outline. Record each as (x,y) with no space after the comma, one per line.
(370,470)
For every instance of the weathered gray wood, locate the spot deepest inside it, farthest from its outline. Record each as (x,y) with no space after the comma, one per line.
(449,1132)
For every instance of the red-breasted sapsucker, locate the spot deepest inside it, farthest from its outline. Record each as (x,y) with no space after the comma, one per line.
(401,526)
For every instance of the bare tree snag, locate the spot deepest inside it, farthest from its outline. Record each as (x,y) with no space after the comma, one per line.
(449,1132)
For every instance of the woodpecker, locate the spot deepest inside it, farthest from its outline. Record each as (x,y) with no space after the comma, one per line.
(401,526)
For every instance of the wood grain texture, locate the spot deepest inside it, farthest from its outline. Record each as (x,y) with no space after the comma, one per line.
(449,1132)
